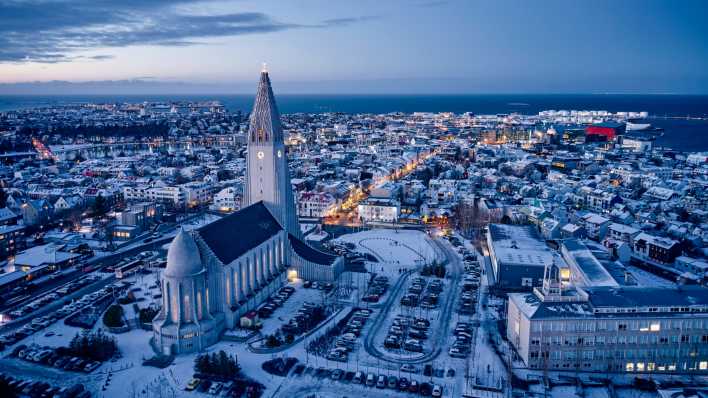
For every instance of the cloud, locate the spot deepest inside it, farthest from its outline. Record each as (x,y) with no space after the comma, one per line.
(50,31)
(433,3)
(347,20)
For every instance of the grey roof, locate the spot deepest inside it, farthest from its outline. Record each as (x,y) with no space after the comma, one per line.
(235,234)
(309,253)
(265,116)
(11,277)
(6,214)
(589,265)
(642,296)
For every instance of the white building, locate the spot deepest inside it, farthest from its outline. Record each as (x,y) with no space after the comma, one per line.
(228,199)
(316,204)
(609,329)
(195,193)
(379,210)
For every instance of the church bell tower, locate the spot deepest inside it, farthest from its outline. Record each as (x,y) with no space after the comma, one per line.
(267,176)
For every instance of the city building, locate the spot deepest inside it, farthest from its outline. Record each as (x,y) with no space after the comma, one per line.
(609,329)
(518,255)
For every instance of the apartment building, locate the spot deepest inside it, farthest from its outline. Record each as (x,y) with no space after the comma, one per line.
(610,329)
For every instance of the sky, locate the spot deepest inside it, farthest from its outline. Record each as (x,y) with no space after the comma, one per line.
(362,46)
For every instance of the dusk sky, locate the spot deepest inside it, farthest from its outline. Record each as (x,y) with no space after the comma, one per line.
(311,46)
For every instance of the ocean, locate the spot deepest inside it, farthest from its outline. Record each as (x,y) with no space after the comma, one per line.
(684,118)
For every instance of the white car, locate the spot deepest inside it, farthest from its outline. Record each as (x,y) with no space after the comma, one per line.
(408,368)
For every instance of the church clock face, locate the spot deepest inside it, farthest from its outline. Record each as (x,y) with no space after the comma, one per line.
(280,154)
(260,154)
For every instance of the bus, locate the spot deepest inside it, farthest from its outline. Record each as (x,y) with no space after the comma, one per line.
(128,268)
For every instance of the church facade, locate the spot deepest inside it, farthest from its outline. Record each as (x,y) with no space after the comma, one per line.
(220,272)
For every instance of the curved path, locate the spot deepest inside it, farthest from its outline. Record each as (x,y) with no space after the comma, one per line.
(397,243)
(453,260)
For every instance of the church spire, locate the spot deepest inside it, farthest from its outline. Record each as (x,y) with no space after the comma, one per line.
(267,174)
(265,118)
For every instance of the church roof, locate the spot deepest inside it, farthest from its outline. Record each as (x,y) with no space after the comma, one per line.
(309,253)
(235,234)
(183,256)
(265,117)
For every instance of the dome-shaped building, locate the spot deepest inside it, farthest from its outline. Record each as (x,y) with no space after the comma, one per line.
(185,323)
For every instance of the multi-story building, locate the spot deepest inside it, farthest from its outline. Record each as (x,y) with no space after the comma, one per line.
(379,210)
(315,204)
(228,199)
(195,193)
(192,194)
(518,255)
(651,248)
(595,226)
(609,329)
(621,232)
(165,194)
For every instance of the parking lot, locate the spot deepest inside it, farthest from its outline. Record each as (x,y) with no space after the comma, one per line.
(402,385)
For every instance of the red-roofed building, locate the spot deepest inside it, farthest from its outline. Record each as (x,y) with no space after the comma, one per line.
(604,131)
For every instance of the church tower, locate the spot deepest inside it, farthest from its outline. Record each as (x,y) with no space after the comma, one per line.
(267,177)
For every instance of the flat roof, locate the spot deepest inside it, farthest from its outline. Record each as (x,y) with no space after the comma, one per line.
(11,277)
(593,271)
(645,296)
(519,244)
(44,254)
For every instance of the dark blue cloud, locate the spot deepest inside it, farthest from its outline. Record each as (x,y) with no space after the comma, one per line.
(347,20)
(50,31)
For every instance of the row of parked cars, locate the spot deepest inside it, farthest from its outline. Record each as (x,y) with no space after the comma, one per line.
(422,293)
(302,320)
(326,286)
(41,389)
(50,357)
(469,290)
(379,381)
(209,387)
(275,301)
(53,296)
(377,288)
(407,332)
(463,340)
(42,322)
(346,342)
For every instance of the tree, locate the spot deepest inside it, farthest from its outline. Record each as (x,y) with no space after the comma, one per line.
(113,317)
(3,198)
(100,206)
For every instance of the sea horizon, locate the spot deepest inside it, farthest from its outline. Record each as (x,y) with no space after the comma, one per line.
(680,132)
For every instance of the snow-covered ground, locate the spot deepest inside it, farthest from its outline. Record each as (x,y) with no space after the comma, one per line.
(646,278)
(395,248)
(396,251)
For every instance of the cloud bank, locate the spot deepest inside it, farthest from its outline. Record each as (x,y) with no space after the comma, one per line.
(50,31)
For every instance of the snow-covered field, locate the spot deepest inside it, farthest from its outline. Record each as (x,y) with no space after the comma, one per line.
(403,248)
